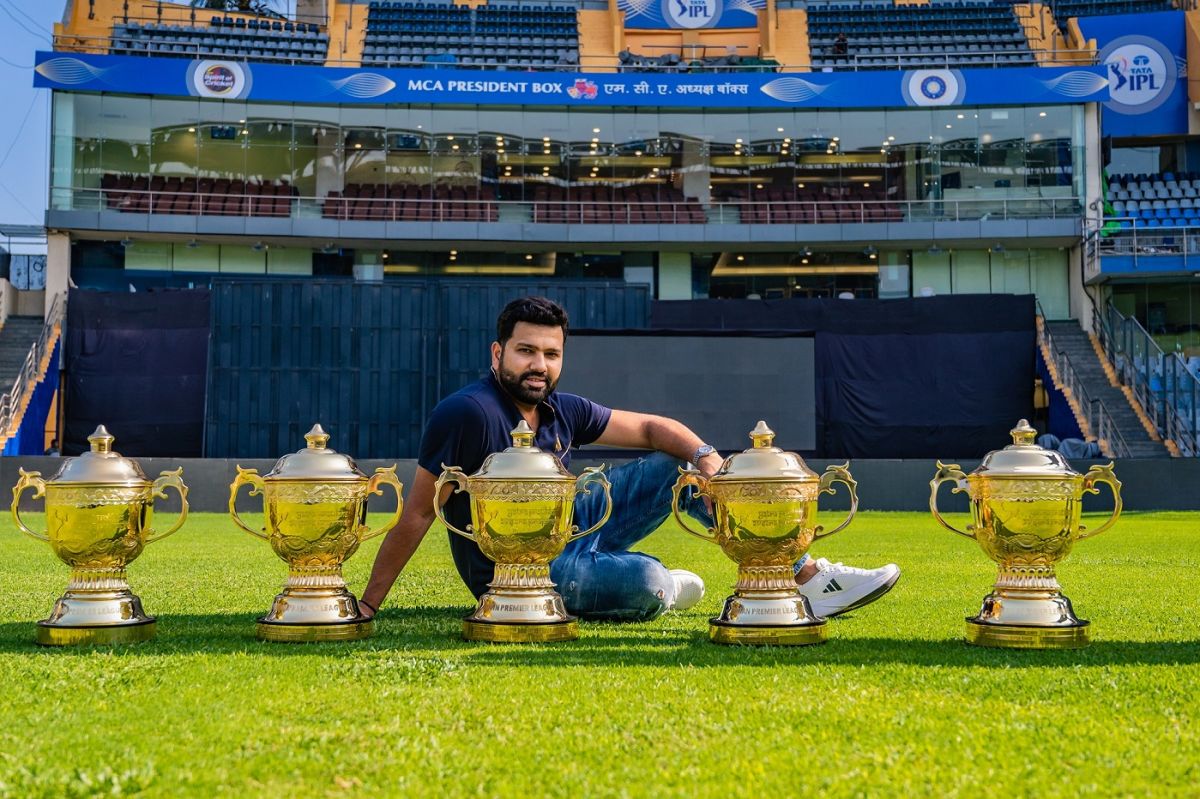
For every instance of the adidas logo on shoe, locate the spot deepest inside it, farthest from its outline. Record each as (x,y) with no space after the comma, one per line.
(833,586)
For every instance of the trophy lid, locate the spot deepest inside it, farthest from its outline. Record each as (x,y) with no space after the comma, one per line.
(1024,458)
(522,461)
(316,462)
(764,461)
(100,465)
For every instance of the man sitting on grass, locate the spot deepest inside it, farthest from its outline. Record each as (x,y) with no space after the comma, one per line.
(598,576)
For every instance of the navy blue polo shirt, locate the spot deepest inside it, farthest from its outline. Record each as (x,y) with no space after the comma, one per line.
(477,421)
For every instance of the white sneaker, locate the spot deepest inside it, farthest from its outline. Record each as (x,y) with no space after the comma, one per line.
(837,588)
(689,589)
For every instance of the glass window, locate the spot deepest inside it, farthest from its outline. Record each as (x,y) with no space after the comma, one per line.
(270,144)
(123,126)
(224,139)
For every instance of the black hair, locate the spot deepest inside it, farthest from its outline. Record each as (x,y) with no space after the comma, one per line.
(535,311)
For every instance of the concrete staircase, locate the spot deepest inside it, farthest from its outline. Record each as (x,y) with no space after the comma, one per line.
(1068,337)
(16,337)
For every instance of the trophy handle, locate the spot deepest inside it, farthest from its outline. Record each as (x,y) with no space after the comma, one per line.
(28,479)
(159,489)
(1102,474)
(593,474)
(838,474)
(381,477)
(245,476)
(690,477)
(947,472)
(450,474)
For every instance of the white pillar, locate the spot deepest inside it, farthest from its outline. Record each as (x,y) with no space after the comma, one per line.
(58,265)
(674,276)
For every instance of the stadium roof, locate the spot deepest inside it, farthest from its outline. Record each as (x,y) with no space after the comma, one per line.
(12,231)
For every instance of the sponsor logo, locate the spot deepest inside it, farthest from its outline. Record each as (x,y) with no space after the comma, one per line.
(582,89)
(228,80)
(692,13)
(219,79)
(1141,74)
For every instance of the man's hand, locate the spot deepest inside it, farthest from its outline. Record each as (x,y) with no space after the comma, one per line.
(709,464)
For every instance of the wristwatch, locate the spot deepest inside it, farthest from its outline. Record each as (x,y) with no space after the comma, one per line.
(701,452)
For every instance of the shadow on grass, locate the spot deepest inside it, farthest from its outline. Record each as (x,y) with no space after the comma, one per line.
(434,632)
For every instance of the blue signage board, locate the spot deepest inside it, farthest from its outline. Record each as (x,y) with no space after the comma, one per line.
(690,14)
(1145,55)
(238,80)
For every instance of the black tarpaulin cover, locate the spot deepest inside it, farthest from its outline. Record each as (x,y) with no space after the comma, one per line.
(917,378)
(136,363)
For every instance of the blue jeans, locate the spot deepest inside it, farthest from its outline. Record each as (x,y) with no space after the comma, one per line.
(597,575)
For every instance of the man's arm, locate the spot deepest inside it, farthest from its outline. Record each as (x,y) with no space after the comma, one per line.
(403,539)
(643,431)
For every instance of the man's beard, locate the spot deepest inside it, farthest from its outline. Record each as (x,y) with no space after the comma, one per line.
(514,384)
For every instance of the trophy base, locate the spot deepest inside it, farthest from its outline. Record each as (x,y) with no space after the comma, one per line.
(96,617)
(315,633)
(49,634)
(1011,636)
(802,635)
(304,614)
(779,617)
(1027,619)
(475,630)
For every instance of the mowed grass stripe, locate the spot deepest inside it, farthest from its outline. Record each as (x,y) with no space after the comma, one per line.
(895,704)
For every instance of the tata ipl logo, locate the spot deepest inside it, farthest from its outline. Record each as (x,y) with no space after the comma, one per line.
(1141,74)
(228,80)
(692,13)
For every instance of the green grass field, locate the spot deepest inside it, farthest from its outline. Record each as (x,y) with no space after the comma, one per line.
(894,705)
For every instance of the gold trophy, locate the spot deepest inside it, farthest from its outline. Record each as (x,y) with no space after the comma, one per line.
(1025,504)
(316,511)
(98,513)
(522,503)
(764,506)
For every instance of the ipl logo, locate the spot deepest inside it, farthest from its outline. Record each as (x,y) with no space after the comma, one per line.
(1141,74)
(582,90)
(691,13)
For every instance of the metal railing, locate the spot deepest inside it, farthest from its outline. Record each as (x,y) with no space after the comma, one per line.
(1097,420)
(14,401)
(560,211)
(1139,241)
(1161,382)
(171,47)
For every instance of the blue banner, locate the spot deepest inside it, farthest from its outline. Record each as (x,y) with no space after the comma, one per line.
(239,80)
(691,14)
(1145,58)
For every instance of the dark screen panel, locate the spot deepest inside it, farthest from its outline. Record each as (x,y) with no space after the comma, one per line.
(718,386)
